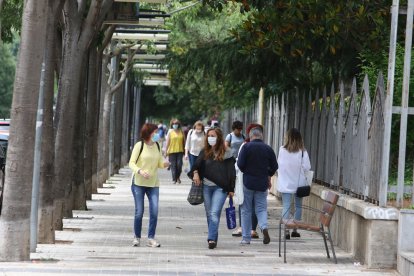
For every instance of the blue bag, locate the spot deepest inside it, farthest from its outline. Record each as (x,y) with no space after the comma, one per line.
(231,215)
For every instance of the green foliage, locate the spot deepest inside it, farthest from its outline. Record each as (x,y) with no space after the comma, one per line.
(371,64)
(7,71)
(11,18)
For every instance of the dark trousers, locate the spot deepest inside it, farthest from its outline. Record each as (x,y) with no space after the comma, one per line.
(176,160)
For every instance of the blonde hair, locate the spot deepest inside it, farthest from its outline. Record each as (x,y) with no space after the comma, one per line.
(293,141)
(199,123)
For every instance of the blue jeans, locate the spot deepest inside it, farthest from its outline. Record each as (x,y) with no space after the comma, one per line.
(254,201)
(139,193)
(214,198)
(287,200)
(191,159)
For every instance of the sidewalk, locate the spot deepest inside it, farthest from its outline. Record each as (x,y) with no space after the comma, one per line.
(98,242)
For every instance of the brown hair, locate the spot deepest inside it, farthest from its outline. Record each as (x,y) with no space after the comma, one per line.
(219,147)
(293,140)
(147,130)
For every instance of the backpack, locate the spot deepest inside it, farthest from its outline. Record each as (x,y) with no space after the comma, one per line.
(231,135)
(142,148)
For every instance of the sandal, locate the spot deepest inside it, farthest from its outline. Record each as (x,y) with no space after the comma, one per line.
(254,235)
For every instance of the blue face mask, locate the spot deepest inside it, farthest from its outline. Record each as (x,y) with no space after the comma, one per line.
(175,126)
(155,138)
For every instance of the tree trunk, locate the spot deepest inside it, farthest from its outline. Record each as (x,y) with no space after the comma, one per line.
(15,217)
(90,135)
(118,130)
(46,233)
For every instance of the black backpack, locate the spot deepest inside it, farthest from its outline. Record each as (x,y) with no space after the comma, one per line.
(142,148)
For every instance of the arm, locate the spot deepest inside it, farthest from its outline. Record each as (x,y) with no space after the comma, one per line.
(227,141)
(187,147)
(306,161)
(134,157)
(241,159)
(167,143)
(273,166)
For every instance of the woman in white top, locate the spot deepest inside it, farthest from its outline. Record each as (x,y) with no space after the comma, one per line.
(194,143)
(293,161)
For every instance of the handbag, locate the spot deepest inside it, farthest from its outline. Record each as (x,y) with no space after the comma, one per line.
(303,191)
(195,196)
(231,215)
(238,190)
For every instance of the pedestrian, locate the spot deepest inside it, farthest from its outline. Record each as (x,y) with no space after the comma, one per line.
(214,169)
(145,159)
(162,131)
(238,232)
(258,163)
(194,142)
(293,161)
(175,150)
(235,138)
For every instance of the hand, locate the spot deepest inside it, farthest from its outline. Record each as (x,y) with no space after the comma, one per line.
(144,174)
(269,184)
(186,157)
(166,164)
(196,180)
(231,194)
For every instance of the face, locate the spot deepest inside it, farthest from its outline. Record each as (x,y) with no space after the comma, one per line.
(212,138)
(198,129)
(237,131)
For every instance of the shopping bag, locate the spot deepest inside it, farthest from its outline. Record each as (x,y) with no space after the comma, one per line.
(195,196)
(309,177)
(231,215)
(238,190)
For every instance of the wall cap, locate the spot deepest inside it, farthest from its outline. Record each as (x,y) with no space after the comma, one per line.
(358,206)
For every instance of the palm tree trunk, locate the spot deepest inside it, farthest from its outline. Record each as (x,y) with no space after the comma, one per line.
(15,217)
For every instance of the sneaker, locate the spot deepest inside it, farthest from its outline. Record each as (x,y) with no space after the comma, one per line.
(237,232)
(212,244)
(153,243)
(136,242)
(266,238)
(295,234)
(179,181)
(254,235)
(244,242)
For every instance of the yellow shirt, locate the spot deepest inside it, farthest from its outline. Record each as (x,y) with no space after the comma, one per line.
(176,142)
(150,161)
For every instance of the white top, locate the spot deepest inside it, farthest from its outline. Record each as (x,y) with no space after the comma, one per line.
(195,142)
(291,170)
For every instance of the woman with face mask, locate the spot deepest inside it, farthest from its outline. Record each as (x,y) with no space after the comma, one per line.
(175,150)
(194,142)
(214,169)
(146,159)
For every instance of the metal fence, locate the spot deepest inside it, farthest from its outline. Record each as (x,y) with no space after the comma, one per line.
(343,134)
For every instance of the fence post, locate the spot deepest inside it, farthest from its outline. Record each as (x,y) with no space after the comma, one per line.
(388,106)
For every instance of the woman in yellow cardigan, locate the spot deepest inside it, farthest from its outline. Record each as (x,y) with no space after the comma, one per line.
(146,159)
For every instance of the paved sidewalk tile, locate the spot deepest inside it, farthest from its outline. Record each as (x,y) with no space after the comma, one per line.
(99,242)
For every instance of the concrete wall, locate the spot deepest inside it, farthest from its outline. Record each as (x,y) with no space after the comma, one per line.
(363,229)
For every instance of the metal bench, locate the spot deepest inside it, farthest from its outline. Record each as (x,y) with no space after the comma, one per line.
(326,213)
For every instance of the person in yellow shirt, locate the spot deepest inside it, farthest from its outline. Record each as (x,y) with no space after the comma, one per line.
(146,159)
(175,150)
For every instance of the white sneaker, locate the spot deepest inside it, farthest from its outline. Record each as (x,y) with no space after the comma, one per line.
(136,242)
(153,243)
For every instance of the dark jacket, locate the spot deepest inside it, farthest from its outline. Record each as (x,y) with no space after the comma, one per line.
(257,161)
(222,173)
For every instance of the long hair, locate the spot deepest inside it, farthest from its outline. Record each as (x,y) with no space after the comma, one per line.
(218,153)
(293,140)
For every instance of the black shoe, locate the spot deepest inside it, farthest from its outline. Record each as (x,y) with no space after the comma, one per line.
(287,236)
(212,244)
(266,238)
(295,234)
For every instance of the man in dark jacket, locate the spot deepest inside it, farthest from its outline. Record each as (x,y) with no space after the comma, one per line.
(258,163)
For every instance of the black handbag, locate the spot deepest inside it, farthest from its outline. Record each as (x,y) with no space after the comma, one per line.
(195,196)
(302,191)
